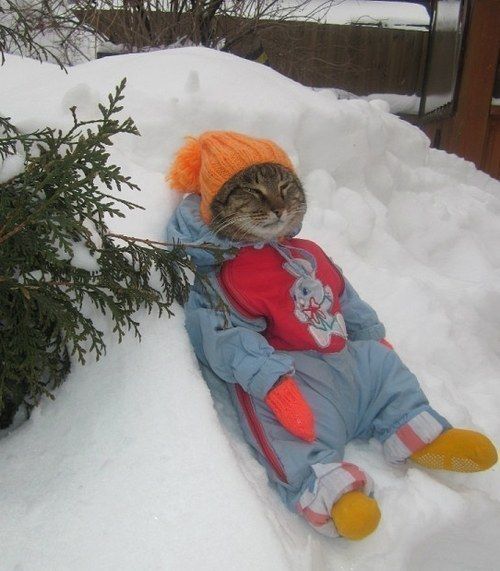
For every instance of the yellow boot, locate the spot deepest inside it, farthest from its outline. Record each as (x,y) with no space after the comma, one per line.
(355,515)
(458,450)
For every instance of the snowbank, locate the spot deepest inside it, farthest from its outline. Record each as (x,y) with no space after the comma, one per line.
(131,467)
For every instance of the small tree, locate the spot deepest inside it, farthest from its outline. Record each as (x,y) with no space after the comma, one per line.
(46,29)
(52,213)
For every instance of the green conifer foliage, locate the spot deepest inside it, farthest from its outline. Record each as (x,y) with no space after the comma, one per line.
(56,207)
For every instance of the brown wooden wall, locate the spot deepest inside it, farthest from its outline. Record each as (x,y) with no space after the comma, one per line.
(491,158)
(355,58)
(359,59)
(473,131)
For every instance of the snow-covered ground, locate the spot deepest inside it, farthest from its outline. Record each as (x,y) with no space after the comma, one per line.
(135,466)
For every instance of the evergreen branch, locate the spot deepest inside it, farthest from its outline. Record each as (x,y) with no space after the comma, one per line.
(51,213)
(46,169)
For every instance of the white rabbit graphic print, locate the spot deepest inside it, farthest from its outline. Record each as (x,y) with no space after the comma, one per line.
(313,302)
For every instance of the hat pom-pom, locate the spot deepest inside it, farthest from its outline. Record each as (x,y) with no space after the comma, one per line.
(184,174)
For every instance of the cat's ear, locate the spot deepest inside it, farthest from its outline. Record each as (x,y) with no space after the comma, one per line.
(184,174)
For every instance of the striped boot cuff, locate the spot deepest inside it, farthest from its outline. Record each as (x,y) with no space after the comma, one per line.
(411,437)
(332,481)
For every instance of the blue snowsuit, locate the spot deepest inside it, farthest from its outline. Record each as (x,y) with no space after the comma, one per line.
(361,391)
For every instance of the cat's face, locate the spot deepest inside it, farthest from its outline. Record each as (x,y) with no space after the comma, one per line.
(262,203)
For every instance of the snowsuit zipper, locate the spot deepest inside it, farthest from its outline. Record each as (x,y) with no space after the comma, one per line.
(245,400)
(257,430)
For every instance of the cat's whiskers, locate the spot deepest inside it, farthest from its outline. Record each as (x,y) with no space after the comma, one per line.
(230,220)
(243,233)
(214,221)
(247,227)
(250,227)
(226,219)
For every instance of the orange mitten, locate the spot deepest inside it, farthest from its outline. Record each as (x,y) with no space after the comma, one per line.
(291,409)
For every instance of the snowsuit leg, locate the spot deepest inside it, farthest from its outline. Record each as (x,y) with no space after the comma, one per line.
(310,477)
(363,391)
(394,409)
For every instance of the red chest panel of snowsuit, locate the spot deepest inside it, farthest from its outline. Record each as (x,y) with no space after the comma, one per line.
(296,288)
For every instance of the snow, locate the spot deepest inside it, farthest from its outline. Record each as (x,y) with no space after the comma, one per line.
(136,465)
(363,12)
(398,103)
(395,102)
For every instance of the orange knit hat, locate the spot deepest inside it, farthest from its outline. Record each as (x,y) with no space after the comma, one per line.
(204,164)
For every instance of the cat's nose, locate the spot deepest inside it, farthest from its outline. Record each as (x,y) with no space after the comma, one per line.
(278,212)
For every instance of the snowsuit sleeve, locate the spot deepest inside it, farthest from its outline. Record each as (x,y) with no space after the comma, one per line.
(233,347)
(361,320)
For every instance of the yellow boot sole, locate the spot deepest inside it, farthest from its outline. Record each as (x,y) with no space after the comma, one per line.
(458,450)
(355,515)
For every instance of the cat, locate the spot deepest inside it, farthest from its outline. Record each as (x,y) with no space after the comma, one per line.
(262,203)
(303,356)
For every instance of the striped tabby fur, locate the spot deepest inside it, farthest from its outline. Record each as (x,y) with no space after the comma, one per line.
(262,203)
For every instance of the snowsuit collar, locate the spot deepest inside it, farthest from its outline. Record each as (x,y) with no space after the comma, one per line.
(187,227)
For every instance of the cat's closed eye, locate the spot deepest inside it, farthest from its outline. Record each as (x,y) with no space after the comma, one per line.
(254,192)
